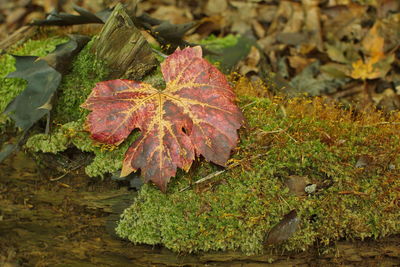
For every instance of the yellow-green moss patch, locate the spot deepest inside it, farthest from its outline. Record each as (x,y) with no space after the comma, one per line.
(236,209)
(77,85)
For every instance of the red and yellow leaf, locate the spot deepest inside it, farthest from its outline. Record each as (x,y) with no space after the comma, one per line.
(194,115)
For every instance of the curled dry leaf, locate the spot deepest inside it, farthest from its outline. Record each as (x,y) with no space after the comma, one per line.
(194,115)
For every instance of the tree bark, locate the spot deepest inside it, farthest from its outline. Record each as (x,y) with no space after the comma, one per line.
(123,48)
(18,37)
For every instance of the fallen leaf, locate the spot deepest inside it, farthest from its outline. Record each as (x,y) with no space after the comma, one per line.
(344,21)
(296,184)
(342,52)
(173,14)
(65,19)
(60,58)
(364,161)
(299,62)
(312,22)
(43,80)
(373,43)
(313,82)
(258,28)
(372,68)
(168,35)
(195,115)
(214,7)
(251,61)
(241,14)
(387,101)
(310,189)
(284,229)
(290,12)
(228,56)
(292,38)
(335,70)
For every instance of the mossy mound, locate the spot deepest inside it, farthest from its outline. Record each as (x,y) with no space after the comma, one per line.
(303,137)
(76,86)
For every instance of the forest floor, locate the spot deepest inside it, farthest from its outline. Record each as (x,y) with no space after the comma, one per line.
(345,50)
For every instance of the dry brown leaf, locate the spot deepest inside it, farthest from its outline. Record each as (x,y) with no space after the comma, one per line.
(371,68)
(299,63)
(291,12)
(297,184)
(210,24)
(251,61)
(343,20)
(214,7)
(387,101)
(258,28)
(373,43)
(312,22)
(173,14)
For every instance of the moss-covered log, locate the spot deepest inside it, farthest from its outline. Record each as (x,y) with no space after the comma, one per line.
(351,162)
(62,223)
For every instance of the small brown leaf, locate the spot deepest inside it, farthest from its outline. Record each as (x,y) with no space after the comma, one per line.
(284,229)
(296,184)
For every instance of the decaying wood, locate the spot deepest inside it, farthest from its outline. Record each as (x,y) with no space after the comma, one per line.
(49,223)
(122,46)
(18,37)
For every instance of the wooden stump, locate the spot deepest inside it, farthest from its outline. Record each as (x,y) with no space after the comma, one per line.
(122,46)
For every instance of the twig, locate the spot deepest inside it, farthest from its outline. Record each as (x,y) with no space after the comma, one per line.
(159,53)
(67,172)
(281,130)
(291,137)
(214,174)
(208,177)
(381,123)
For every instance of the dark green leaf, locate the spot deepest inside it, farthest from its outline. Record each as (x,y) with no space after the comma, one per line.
(284,229)
(229,56)
(29,106)
(60,58)
(65,19)
(313,82)
(43,77)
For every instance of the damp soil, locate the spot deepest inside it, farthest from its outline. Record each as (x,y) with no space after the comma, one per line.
(48,218)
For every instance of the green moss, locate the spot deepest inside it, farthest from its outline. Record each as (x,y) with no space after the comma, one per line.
(217,43)
(107,159)
(48,143)
(38,48)
(77,85)
(155,78)
(302,137)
